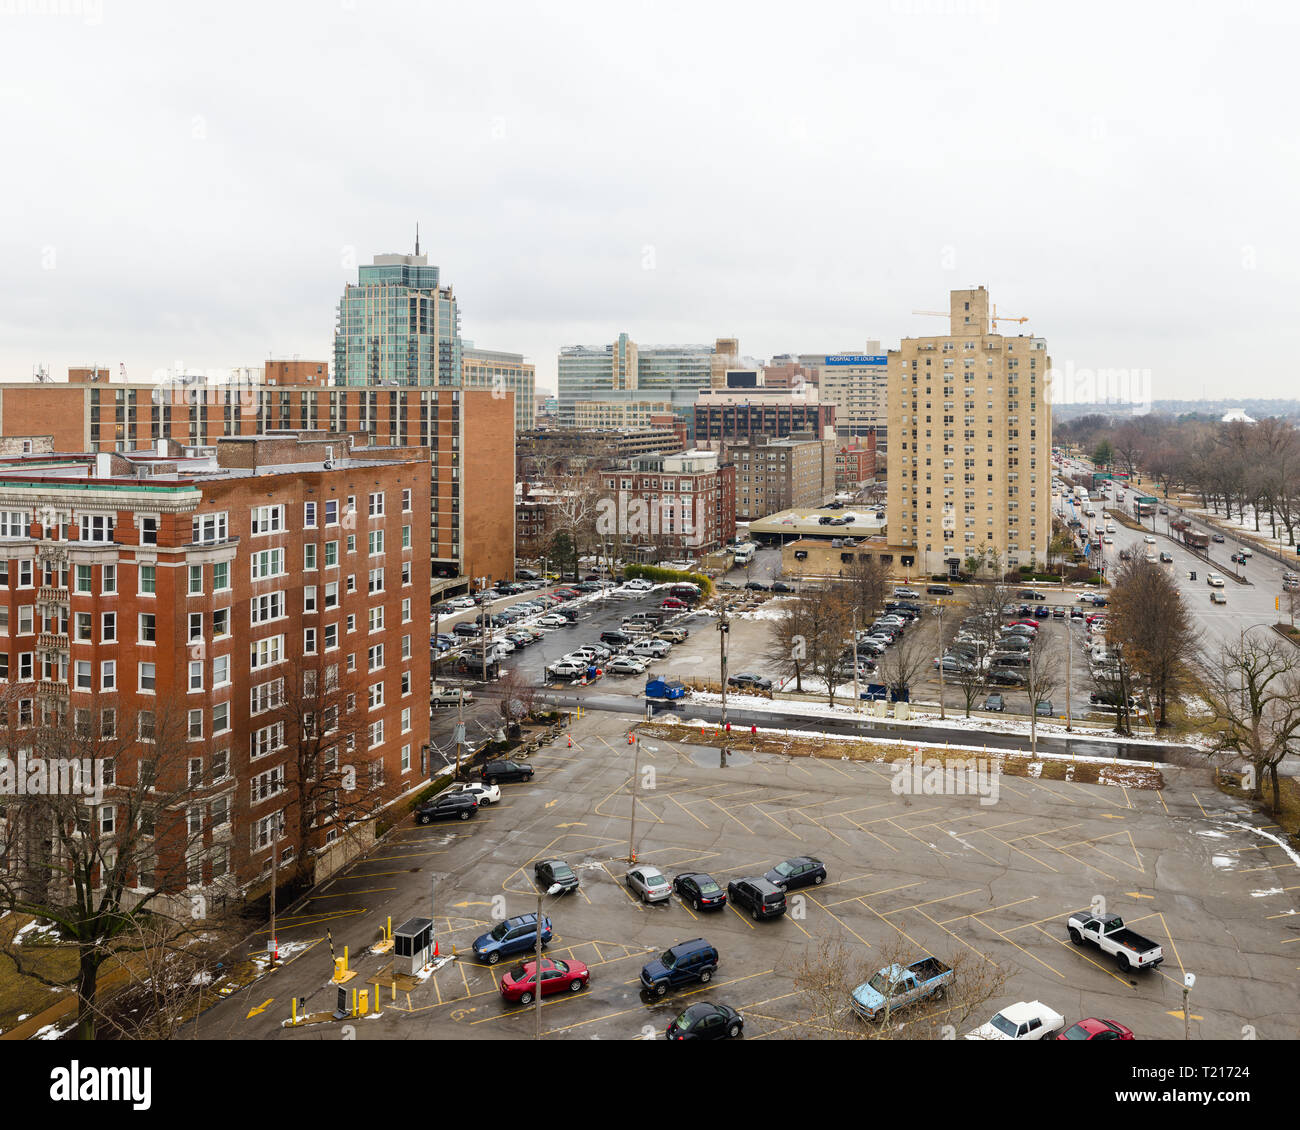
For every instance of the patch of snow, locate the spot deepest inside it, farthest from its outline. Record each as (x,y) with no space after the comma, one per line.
(54,1032)
(1265,894)
(1034,769)
(1224,862)
(1209,833)
(1290,851)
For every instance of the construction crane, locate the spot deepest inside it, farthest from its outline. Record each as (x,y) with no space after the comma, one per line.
(994,318)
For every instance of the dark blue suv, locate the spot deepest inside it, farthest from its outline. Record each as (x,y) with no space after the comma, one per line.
(514,935)
(681,964)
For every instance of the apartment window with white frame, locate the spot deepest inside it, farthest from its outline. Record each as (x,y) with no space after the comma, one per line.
(376,618)
(267,652)
(406,500)
(208,529)
(95,528)
(267,520)
(375,697)
(196,674)
(309,515)
(375,657)
(108,675)
(377,504)
(267,607)
(268,739)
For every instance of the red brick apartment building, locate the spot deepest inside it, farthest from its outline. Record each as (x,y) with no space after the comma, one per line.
(470,435)
(252,622)
(855,463)
(669,504)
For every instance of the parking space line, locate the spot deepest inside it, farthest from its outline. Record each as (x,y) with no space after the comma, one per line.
(641,1008)
(1018,946)
(1038,837)
(1026,854)
(893,925)
(1160,796)
(737,819)
(831,831)
(1086,957)
(988,910)
(957,937)
(942,898)
(349,894)
(777,822)
(731,906)
(686,810)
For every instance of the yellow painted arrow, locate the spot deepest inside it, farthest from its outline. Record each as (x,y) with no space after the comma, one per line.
(463,905)
(552,803)
(1177,1014)
(259,1009)
(577,824)
(1110,816)
(1138,895)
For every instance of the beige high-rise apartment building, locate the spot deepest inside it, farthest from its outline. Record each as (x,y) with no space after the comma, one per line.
(970,440)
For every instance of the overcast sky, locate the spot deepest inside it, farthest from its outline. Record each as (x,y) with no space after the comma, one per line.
(195,185)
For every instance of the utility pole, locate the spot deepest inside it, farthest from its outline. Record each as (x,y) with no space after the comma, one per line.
(636,772)
(724,630)
(460,727)
(275,867)
(942,708)
(1069,717)
(854,644)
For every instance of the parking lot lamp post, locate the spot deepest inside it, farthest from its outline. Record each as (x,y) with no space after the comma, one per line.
(939,612)
(554,889)
(1068,716)
(636,772)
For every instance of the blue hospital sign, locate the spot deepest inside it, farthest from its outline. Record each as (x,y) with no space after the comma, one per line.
(856,359)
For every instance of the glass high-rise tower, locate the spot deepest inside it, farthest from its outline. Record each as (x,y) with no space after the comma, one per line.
(398,326)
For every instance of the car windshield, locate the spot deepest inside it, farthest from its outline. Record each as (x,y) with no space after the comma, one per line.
(880,982)
(686,1020)
(502,928)
(1003,1025)
(561,871)
(708,887)
(668,958)
(786,868)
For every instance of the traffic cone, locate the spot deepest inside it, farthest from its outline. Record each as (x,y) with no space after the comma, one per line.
(435,947)
(631,740)
(570,741)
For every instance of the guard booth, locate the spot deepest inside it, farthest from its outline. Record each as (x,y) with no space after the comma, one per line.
(413,941)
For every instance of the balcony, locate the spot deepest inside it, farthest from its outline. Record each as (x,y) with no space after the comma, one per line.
(51,688)
(50,641)
(48,595)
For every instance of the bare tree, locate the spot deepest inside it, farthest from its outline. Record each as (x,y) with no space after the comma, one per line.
(108,837)
(829,620)
(1253,692)
(1042,679)
(330,778)
(829,971)
(905,663)
(518,697)
(865,585)
(788,650)
(1152,625)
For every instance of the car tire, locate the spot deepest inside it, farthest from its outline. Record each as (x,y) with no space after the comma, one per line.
(1121,959)
(464,815)
(706,976)
(425,818)
(660,990)
(493,958)
(526,998)
(577,986)
(754,912)
(939,993)
(734,1030)
(695,904)
(817,882)
(1076,937)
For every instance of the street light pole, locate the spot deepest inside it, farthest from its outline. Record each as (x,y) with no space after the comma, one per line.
(636,772)
(553,889)
(724,630)
(942,708)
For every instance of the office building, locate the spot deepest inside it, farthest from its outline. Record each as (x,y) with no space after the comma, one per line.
(502,373)
(970,443)
(398,326)
(736,414)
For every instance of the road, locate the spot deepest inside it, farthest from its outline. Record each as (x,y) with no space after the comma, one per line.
(1089,745)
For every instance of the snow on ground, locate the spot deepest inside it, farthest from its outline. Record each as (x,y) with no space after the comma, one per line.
(1291,852)
(956,720)
(37,933)
(947,747)
(1265,894)
(54,1032)
(1223,862)
(288,952)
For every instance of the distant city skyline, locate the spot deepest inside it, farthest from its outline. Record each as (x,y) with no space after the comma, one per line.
(191,210)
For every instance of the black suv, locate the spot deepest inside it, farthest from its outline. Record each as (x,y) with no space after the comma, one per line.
(761,898)
(681,964)
(939,590)
(449,806)
(619,638)
(797,872)
(503,770)
(552,871)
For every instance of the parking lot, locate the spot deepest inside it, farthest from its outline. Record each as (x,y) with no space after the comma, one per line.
(943,873)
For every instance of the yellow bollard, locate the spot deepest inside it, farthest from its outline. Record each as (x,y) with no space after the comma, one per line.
(363,1002)
(345,959)
(354,1003)
(295,1011)
(388,934)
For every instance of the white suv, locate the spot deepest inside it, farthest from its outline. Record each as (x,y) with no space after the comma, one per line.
(1214,580)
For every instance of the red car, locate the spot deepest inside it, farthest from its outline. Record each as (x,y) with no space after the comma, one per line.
(566,594)
(672,604)
(557,977)
(1094,1029)
(1023,624)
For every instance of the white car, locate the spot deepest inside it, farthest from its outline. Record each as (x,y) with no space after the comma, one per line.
(639,585)
(1028,1020)
(1108,540)
(462,602)
(484,794)
(568,668)
(1150,539)
(552,621)
(503,645)
(1110,527)
(1214,580)
(627,665)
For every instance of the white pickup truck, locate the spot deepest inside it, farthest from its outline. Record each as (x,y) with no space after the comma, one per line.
(1109,934)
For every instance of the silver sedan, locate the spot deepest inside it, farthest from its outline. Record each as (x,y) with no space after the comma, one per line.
(649,883)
